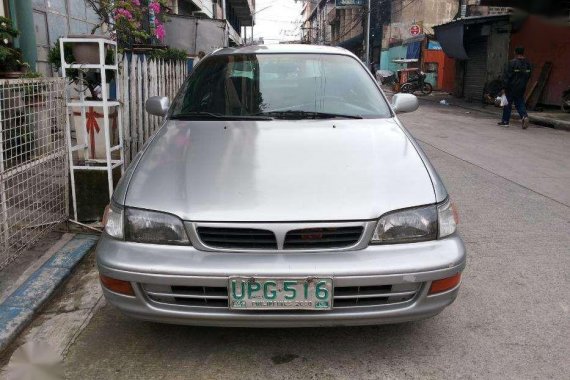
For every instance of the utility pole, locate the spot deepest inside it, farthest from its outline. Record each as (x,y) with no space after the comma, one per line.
(367,35)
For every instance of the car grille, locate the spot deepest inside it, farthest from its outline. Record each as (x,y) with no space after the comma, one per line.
(323,237)
(237,238)
(366,296)
(202,296)
(344,297)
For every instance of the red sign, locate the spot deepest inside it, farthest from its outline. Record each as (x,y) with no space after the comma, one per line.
(415,30)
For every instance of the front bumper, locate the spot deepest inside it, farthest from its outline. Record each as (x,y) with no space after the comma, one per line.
(402,265)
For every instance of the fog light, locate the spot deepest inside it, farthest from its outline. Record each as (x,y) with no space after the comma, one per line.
(444,284)
(117,286)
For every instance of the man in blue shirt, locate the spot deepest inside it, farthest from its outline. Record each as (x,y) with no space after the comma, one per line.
(515,79)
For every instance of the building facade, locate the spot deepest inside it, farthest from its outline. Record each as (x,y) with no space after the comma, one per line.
(43,22)
(239,14)
(483,45)
(399,30)
(408,39)
(335,23)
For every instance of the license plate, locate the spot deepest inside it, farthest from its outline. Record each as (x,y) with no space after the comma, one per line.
(259,293)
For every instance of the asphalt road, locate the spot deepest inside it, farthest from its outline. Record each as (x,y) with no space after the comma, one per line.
(511,320)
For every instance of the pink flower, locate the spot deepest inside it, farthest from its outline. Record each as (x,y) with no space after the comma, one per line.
(157,22)
(160,32)
(122,12)
(136,3)
(155,7)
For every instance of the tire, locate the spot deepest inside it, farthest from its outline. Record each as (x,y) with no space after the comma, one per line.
(427,89)
(407,88)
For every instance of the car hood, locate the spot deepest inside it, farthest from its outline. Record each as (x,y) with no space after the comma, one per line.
(280,170)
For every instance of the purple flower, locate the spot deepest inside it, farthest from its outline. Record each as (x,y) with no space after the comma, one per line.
(155,7)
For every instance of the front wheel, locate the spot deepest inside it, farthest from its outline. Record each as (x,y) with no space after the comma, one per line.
(427,88)
(407,88)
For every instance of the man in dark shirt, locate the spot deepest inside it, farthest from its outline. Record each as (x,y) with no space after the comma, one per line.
(516,77)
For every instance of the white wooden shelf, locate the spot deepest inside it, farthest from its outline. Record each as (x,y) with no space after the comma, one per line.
(108,163)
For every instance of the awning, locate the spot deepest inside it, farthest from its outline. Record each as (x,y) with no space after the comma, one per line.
(413,51)
(451,35)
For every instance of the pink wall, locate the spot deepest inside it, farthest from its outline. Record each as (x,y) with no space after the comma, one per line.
(544,41)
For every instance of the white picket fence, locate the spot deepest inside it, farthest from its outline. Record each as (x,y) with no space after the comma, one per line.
(140,79)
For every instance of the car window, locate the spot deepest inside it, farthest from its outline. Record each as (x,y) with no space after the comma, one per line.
(253,84)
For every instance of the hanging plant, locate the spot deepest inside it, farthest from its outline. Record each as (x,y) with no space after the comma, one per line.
(12,64)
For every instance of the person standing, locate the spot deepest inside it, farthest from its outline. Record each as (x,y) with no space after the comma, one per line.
(515,79)
(373,68)
(198,58)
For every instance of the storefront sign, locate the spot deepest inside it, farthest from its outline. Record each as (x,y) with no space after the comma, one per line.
(350,3)
(415,30)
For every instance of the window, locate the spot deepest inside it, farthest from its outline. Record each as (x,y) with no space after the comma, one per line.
(253,84)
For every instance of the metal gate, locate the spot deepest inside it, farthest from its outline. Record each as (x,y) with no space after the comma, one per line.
(475,70)
(33,162)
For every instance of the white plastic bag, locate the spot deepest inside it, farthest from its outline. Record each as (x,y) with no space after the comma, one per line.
(504,101)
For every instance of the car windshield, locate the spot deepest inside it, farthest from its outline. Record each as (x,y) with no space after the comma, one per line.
(290,86)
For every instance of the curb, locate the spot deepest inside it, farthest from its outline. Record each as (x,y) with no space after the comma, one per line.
(19,308)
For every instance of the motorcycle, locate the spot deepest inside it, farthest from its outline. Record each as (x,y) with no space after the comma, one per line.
(416,82)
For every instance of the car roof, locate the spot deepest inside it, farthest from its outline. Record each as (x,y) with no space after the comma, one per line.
(283,48)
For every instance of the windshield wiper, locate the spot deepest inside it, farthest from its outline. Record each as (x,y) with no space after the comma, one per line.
(201,115)
(297,114)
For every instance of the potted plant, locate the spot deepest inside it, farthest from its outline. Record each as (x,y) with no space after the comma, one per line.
(86,52)
(11,63)
(88,81)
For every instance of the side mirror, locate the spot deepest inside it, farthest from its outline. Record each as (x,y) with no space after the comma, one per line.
(405,103)
(157,105)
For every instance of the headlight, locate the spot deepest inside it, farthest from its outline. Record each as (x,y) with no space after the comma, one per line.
(154,227)
(113,221)
(447,218)
(406,226)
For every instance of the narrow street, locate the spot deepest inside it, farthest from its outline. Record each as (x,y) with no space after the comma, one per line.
(511,319)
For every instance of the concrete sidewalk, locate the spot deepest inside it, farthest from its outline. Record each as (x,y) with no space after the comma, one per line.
(552,118)
(33,290)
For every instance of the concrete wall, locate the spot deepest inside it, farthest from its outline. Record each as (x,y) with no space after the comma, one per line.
(194,35)
(53,19)
(431,12)
(391,54)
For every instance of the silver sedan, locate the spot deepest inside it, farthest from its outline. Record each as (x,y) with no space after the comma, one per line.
(281,190)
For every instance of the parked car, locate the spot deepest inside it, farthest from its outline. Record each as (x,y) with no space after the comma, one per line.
(288,198)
